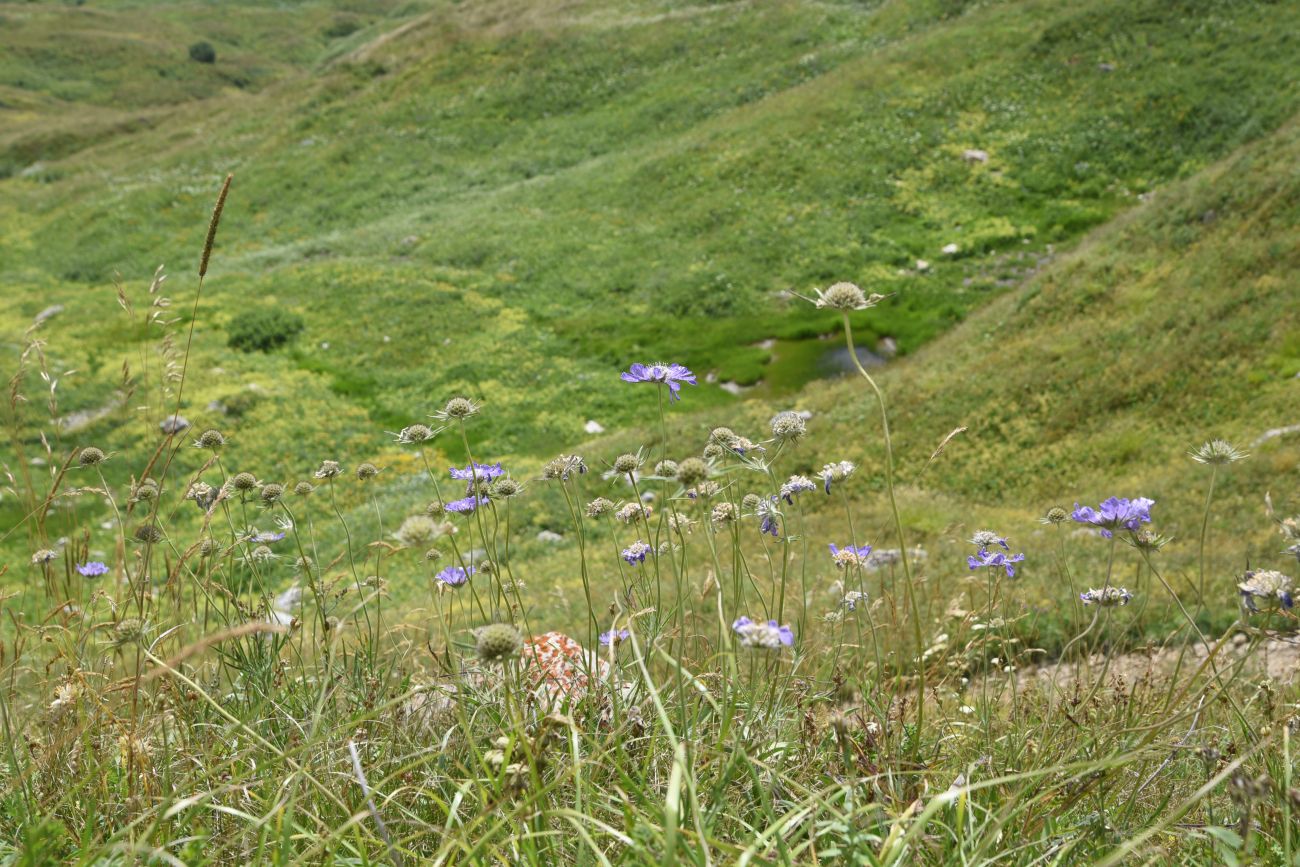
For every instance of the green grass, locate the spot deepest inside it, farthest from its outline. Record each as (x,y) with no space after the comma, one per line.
(514,201)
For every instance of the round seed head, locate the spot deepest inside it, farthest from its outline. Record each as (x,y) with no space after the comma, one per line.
(148,534)
(1056,515)
(328,470)
(432,554)
(666,469)
(145,491)
(1217,452)
(303,564)
(624,464)
(750,502)
(842,296)
(367,471)
(724,513)
(498,642)
(208,547)
(459,408)
(599,506)
(210,439)
(435,509)
(722,436)
(272,493)
(91,456)
(692,471)
(712,452)
(504,488)
(303,489)
(243,482)
(416,433)
(788,426)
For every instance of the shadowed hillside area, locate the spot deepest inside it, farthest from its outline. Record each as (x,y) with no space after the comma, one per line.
(928,267)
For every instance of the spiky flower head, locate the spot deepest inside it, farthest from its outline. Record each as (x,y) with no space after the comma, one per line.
(271,493)
(1106,597)
(564,468)
(796,485)
(692,471)
(210,439)
(1148,540)
(631,511)
(666,469)
(416,433)
(209,546)
(243,482)
(262,554)
(714,452)
(788,426)
(455,576)
(129,630)
(92,569)
(367,471)
(1056,515)
(984,539)
(149,534)
(435,509)
(504,488)
(768,636)
(459,408)
(91,456)
(1217,452)
(750,502)
(845,296)
(44,555)
(498,642)
(723,513)
(624,464)
(418,531)
(836,472)
(599,506)
(329,470)
(722,436)
(304,564)
(1265,589)
(304,489)
(144,491)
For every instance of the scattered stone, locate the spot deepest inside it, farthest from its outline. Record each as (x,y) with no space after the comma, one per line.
(593,427)
(217,406)
(174,424)
(1274,434)
(922,265)
(887,347)
(1106,67)
(950,249)
(975,155)
(549,536)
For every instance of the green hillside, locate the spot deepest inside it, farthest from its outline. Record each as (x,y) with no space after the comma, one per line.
(510,200)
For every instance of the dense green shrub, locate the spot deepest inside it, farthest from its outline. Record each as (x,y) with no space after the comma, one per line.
(203,52)
(263,330)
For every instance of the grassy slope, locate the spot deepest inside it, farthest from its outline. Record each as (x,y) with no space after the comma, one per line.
(474,185)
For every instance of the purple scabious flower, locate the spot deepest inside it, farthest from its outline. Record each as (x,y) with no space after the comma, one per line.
(672,375)
(836,472)
(796,485)
(769,516)
(769,635)
(466,505)
(93,569)
(263,538)
(1116,513)
(455,576)
(849,555)
(984,557)
(478,472)
(615,636)
(636,552)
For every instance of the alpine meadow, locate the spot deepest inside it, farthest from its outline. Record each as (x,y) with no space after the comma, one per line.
(649,432)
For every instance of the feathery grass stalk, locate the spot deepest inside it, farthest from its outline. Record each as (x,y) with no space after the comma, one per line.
(898,529)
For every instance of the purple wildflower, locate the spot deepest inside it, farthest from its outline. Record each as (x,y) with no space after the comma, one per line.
(615,636)
(984,557)
(769,635)
(478,472)
(849,555)
(836,472)
(263,538)
(93,569)
(1116,513)
(455,576)
(636,552)
(465,506)
(796,485)
(768,517)
(673,375)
